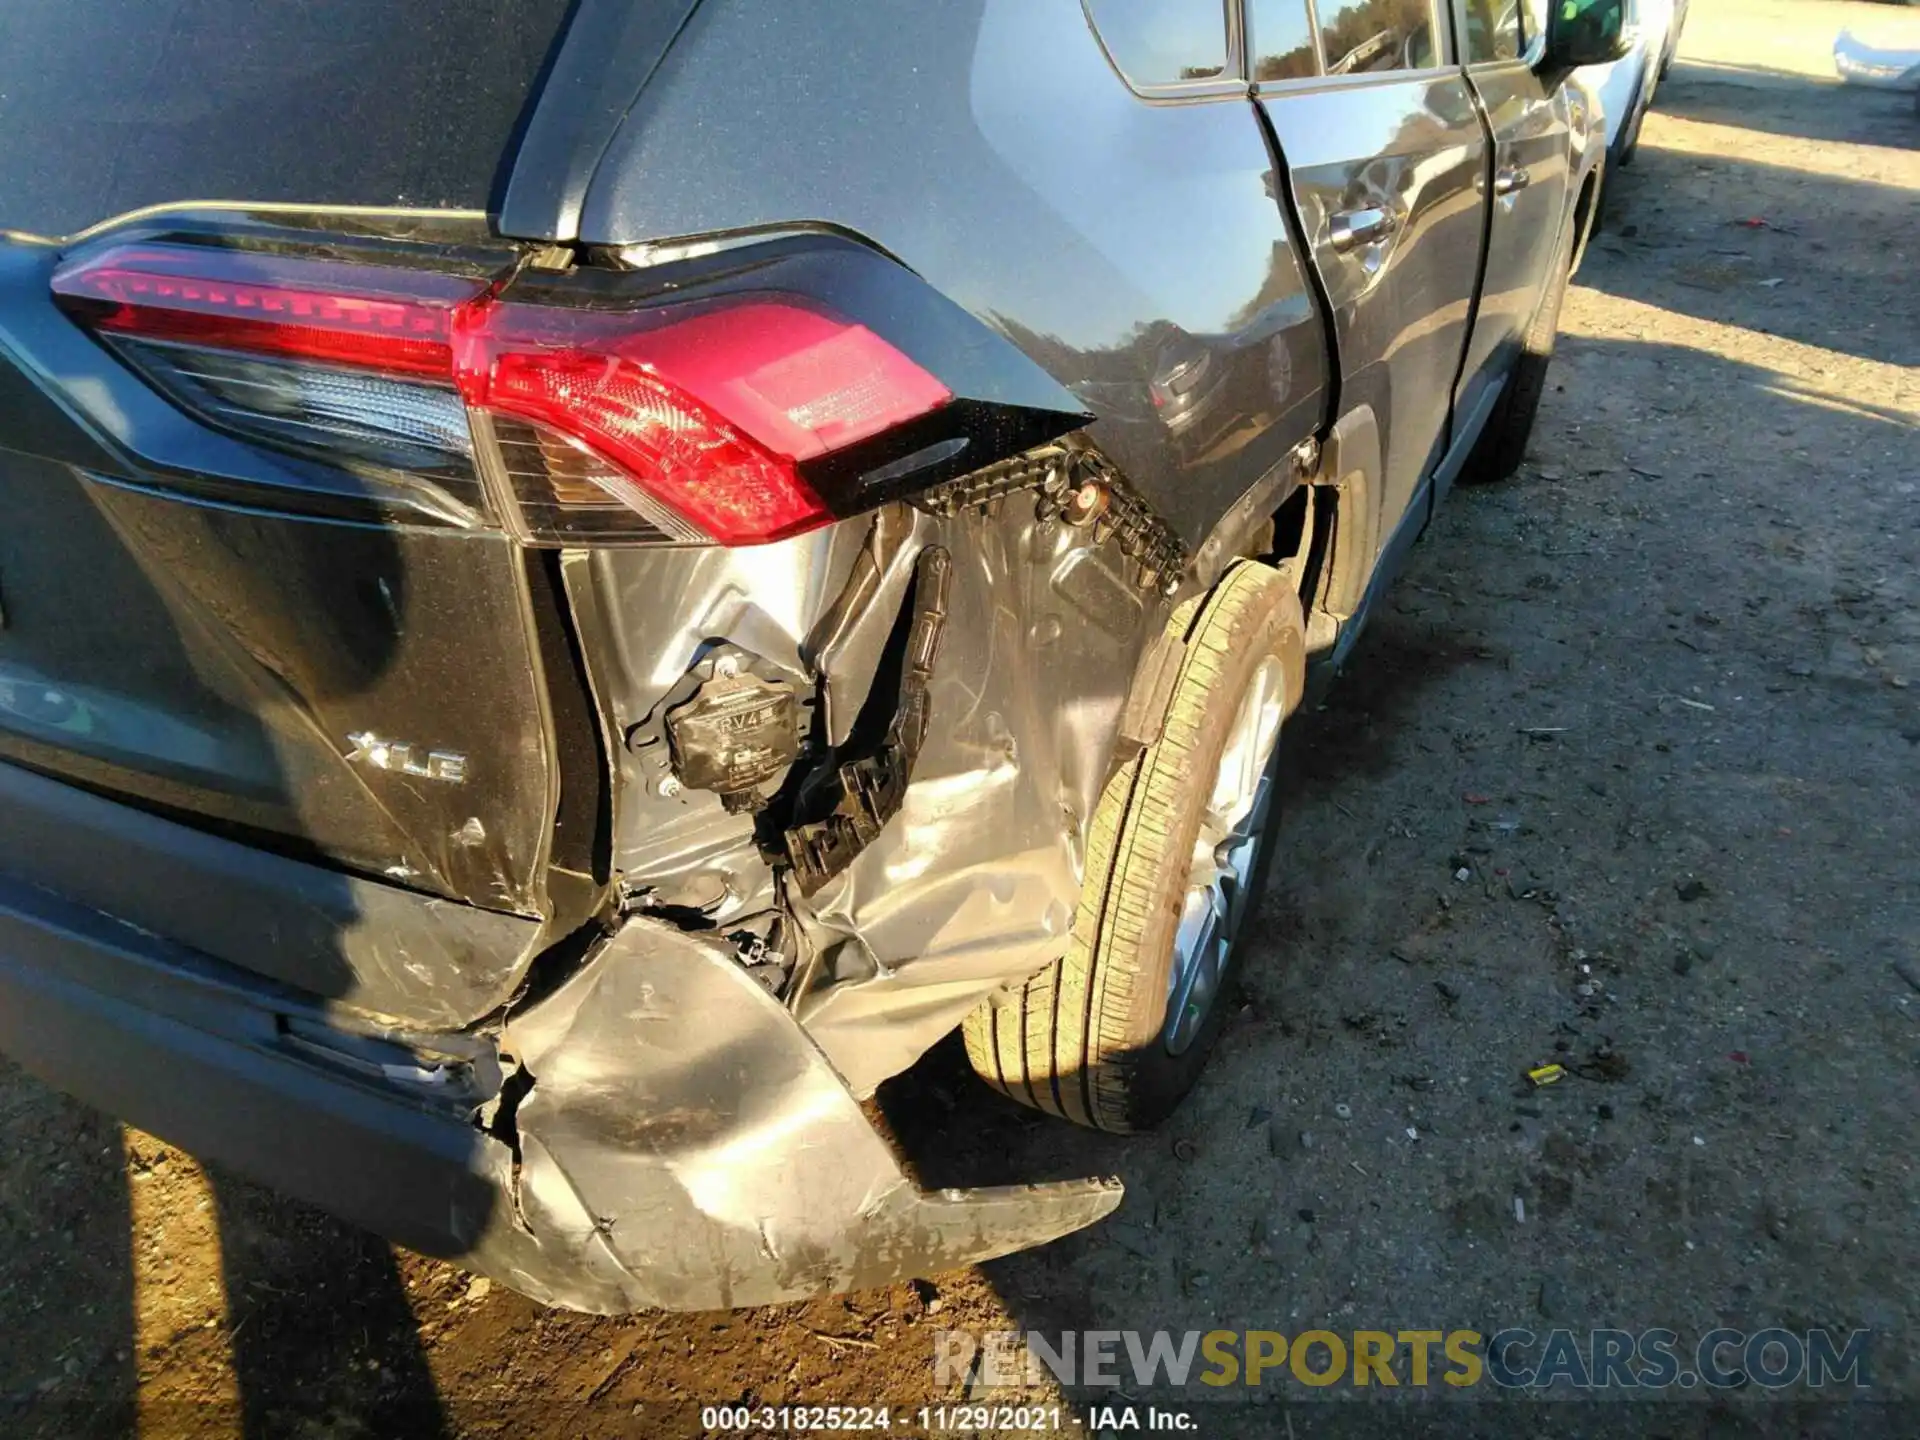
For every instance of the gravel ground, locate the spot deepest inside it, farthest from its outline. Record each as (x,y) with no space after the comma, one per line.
(1626,777)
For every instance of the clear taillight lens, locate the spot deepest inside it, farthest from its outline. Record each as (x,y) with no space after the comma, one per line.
(405,425)
(684,424)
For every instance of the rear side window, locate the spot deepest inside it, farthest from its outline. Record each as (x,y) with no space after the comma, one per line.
(1493,30)
(1164,42)
(1373,35)
(109,105)
(1281,39)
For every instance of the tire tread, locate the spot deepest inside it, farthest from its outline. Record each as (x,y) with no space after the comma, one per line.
(1081,1013)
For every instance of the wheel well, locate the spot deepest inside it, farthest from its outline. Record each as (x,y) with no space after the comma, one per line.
(1325,534)
(1318,546)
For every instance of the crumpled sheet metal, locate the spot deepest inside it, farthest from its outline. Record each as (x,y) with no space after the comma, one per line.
(646,615)
(974,883)
(686,1146)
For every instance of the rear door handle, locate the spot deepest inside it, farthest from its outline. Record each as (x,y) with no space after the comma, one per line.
(1510,178)
(1354,228)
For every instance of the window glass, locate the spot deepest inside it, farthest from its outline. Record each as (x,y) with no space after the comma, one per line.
(1163,42)
(1373,35)
(1493,30)
(1282,40)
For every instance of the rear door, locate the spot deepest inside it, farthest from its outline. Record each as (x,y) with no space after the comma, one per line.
(1529,181)
(1385,154)
(314,653)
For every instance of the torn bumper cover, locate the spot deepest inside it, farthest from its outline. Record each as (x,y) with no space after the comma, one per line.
(685,1145)
(682,1143)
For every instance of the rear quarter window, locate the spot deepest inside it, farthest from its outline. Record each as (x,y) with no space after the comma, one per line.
(1164,42)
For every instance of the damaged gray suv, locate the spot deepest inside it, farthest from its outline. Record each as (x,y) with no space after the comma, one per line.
(581,584)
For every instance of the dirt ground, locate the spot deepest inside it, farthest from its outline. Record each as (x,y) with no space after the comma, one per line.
(1625,777)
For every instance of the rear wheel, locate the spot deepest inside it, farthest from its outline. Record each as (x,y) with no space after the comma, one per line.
(1503,444)
(1115,1033)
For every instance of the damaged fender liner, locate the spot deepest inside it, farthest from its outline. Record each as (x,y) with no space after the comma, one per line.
(683,1143)
(1070,481)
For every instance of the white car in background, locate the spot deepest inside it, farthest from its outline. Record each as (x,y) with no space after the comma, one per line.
(1884,67)
(1625,87)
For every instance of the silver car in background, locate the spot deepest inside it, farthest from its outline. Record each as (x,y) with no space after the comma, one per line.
(1883,67)
(1625,86)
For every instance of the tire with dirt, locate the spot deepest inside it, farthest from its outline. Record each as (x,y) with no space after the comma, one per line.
(1503,444)
(1093,1037)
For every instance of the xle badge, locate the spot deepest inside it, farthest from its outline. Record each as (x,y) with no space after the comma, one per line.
(404,759)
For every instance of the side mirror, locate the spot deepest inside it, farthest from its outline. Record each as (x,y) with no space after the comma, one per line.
(1583,32)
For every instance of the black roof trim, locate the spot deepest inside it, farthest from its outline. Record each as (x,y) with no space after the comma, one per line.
(611,50)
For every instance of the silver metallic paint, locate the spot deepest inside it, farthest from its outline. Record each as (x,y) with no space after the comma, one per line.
(974,883)
(1107,236)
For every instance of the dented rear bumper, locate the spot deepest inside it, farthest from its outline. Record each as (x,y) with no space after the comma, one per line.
(656,1131)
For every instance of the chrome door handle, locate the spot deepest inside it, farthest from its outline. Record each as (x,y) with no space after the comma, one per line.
(1510,178)
(1354,228)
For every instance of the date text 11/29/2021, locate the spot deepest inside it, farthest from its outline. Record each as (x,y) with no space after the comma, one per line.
(937,1419)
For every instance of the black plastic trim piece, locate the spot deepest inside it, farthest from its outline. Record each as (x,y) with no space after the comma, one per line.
(583,820)
(868,782)
(956,439)
(611,49)
(142,1030)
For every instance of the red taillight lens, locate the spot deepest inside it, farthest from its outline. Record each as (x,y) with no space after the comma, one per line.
(694,422)
(398,321)
(708,413)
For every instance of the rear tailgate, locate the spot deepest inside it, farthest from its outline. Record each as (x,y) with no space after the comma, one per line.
(297,662)
(109,105)
(257,647)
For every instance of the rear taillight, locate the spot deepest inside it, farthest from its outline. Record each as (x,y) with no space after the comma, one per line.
(707,410)
(350,362)
(398,321)
(691,422)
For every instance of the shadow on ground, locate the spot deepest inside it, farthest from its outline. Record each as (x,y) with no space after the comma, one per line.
(1209,1234)
(1696,239)
(1803,106)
